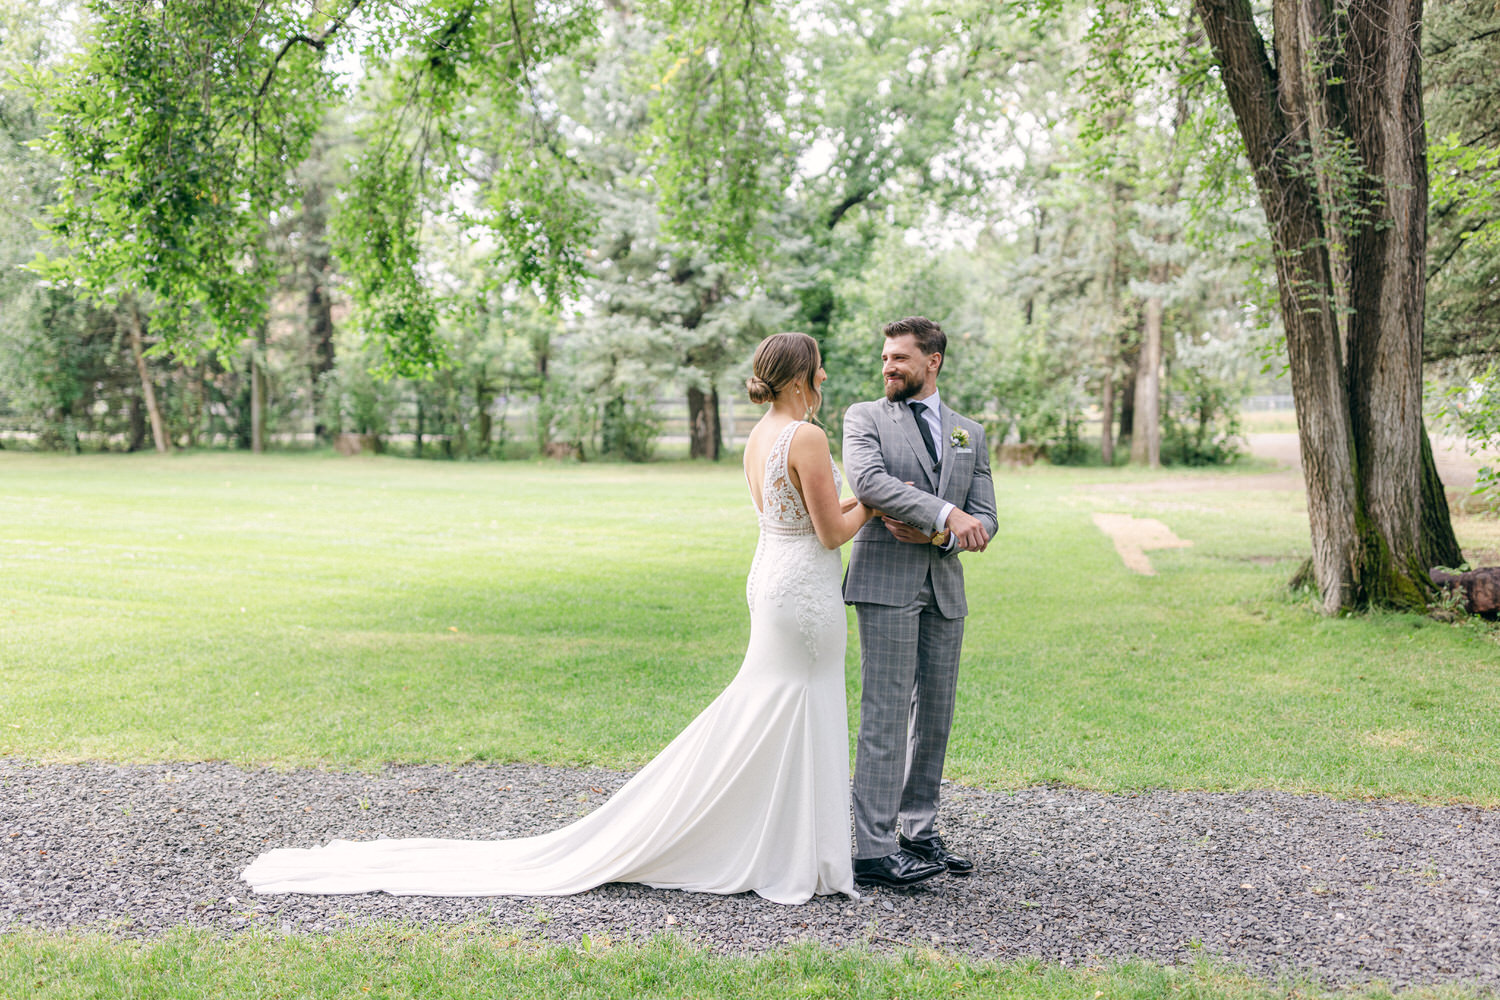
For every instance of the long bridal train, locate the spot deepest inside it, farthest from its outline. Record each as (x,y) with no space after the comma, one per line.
(752,796)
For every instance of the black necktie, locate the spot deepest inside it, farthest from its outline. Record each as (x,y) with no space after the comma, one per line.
(916,411)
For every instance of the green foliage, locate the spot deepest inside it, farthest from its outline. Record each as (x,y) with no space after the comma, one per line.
(457,103)
(665,314)
(628,425)
(377,236)
(1462,101)
(1207,430)
(1470,406)
(1466,180)
(174,131)
(55,351)
(1207,379)
(352,398)
(1463,301)
(717,109)
(898,280)
(49,356)
(507,157)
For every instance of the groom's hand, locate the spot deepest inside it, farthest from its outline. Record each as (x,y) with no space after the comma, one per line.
(968,532)
(905,532)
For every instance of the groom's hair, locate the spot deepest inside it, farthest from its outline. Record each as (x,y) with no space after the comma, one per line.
(930,337)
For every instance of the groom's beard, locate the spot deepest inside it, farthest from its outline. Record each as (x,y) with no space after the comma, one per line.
(905,389)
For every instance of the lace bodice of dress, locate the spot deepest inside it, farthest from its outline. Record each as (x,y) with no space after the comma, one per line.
(792,573)
(782,510)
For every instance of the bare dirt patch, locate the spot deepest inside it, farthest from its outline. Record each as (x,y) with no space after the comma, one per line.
(1134,535)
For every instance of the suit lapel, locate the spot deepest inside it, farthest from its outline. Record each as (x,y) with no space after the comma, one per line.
(906,428)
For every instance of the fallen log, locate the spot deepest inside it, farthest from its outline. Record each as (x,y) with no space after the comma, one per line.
(1477,589)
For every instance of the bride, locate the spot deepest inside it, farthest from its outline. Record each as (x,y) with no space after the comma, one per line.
(754,794)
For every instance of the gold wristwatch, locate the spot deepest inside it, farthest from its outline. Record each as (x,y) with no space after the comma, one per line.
(941,538)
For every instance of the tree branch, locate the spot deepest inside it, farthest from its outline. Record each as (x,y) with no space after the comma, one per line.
(1453,249)
(849,201)
(1443,49)
(320,43)
(1249,79)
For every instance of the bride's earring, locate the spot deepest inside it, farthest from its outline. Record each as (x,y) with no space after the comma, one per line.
(806,410)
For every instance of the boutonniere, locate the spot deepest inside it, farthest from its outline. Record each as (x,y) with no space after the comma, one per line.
(959,437)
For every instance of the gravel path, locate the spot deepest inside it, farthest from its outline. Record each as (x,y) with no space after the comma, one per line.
(1341,891)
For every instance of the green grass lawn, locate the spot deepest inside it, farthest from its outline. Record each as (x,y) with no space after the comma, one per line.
(467,963)
(310,610)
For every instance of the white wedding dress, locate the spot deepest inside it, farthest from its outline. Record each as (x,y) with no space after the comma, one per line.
(752,796)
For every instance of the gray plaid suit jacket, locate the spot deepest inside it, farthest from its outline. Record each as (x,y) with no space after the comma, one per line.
(883,451)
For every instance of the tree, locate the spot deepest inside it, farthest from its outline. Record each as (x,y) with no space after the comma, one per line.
(1463,273)
(1334,132)
(176,129)
(59,370)
(1462,46)
(308,271)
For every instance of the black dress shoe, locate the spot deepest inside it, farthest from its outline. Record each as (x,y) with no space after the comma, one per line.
(899,869)
(932,849)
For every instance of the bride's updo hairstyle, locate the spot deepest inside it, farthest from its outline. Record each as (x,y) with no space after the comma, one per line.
(781,360)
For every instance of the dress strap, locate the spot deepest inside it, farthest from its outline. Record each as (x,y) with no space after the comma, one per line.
(781,449)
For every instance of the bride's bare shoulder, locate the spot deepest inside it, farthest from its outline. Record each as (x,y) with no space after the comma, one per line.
(810,443)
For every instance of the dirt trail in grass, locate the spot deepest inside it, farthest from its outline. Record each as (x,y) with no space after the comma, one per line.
(1134,537)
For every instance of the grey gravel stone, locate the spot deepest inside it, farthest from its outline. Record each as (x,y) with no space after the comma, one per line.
(1339,891)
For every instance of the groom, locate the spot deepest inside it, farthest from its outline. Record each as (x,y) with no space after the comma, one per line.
(926,469)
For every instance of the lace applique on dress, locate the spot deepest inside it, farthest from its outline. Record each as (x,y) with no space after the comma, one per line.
(782,510)
(786,527)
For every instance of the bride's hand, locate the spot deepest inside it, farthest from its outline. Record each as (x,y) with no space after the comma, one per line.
(904,532)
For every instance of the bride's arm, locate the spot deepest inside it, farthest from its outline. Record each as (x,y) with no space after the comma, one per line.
(811,469)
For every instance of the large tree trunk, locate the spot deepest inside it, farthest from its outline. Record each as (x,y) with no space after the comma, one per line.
(320,339)
(421,421)
(258,388)
(1129,356)
(135,438)
(1371,484)
(319,302)
(1387,287)
(196,391)
(704,438)
(148,388)
(484,398)
(1107,415)
(1145,445)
